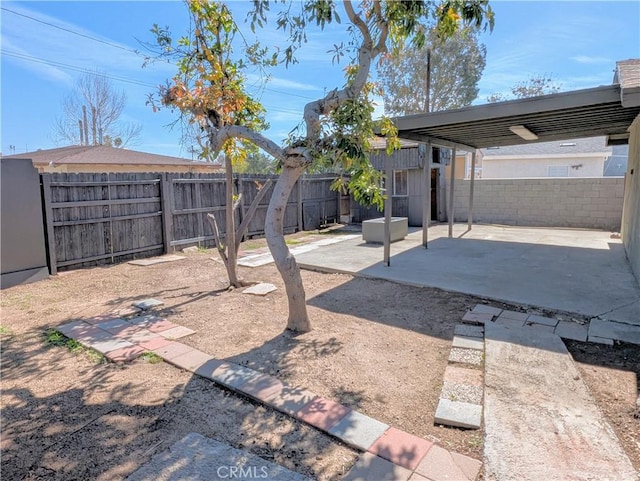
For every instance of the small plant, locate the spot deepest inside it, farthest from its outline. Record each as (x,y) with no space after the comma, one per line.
(151,357)
(5,331)
(293,242)
(56,338)
(476,441)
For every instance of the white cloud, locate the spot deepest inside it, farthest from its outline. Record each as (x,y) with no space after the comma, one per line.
(586,59)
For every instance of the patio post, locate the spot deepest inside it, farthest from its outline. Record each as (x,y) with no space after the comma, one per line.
(451,187)
(388,187)
(473,176)
(426,200)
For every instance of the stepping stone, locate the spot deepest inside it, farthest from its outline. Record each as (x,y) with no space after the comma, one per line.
(401,448)
(477,317)
(571,330)
(468,342)
(261,289)
(108,345)
(466,356)
(463,375)
(467,393)
(370,467)
(152,323)
(172,350)
(518,316)
(128,312)
(104,318)
(601,340)
(508,322)
(441,465)
(233,375)
(138,335)
(546,321)
(323,413)
(468,330)
(196,458)
(358,430)
(263,388)
(114,326)
(153,344)
(75,328)
(484,309)
(156,260)
(176,332)
(191,360)
(614,330)
(292,399)
(147,304)
(540,327)
(125,354)
(458,414)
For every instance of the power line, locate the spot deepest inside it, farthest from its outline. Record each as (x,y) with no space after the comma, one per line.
(69,30)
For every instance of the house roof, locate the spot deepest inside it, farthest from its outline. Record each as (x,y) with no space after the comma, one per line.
(569,146)
(606,110)
(101,154)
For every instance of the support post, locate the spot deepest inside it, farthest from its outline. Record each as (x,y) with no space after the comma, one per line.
(300,205)
(471,182)
(167,215)
(451,187)
(387,209)
(426,200)
(48,219)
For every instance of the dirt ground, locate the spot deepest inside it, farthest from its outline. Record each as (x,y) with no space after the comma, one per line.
(376,346)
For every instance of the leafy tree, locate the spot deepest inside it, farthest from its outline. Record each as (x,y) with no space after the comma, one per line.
(534,87)
(91,115)
(209,88)
(456,65)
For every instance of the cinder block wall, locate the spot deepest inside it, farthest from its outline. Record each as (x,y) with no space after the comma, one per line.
(593,203)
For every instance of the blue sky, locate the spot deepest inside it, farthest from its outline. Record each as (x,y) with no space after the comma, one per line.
(575,42)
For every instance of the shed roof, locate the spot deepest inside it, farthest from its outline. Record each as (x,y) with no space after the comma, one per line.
(101,154)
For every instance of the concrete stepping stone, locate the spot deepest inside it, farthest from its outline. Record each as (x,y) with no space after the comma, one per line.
(441,465)
(509,322)
(467,393)
(138,335)
(233,375)
(468,330)
(114,325)
(125,354)
(261,289)
(540,327)
(458,414)
(263,388)
(156,260)
(172,350)
(463,375)
(401,448)
(614,330)
(546,321)
(484,309)
(323,413)
(153,344)
(600,340)
(190,360)
(196,458)
(75,328)
(468,342)
(465,356)
(370,467)
(358,430)
(571,330)
(477,317)
(515,315)
(108,345)
(152,323)
(292,399)
(177,332)
(147,304)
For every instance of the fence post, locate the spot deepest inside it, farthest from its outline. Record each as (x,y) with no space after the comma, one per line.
(48,219)
(166,194)
(241,193)
(299,207)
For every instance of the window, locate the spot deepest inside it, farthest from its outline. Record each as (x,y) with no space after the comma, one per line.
(558,171)
(400,182)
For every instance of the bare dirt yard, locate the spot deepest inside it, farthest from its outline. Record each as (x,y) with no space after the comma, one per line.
(376,346)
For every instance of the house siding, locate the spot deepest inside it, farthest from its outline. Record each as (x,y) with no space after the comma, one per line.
(592,203)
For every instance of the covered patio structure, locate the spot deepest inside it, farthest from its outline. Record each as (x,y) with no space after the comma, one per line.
(612,111)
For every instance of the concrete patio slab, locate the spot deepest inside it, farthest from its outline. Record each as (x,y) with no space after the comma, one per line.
(401,448)
(573,270)
(196,458)
(370,467)
(358,430)
(468,330)
(458,414)
(541,421)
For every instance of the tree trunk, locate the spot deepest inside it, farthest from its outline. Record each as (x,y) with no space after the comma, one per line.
(285,262)
(230,231)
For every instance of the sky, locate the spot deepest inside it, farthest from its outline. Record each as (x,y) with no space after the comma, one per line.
(45,46)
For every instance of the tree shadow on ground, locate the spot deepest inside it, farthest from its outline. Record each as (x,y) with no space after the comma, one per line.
(66,417)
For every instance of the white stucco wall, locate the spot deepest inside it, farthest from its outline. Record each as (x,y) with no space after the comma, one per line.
(631,210)
(538,166)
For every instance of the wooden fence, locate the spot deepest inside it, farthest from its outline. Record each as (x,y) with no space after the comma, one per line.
(94,219)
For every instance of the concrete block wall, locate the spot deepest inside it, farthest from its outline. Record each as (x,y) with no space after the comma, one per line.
(591,203)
